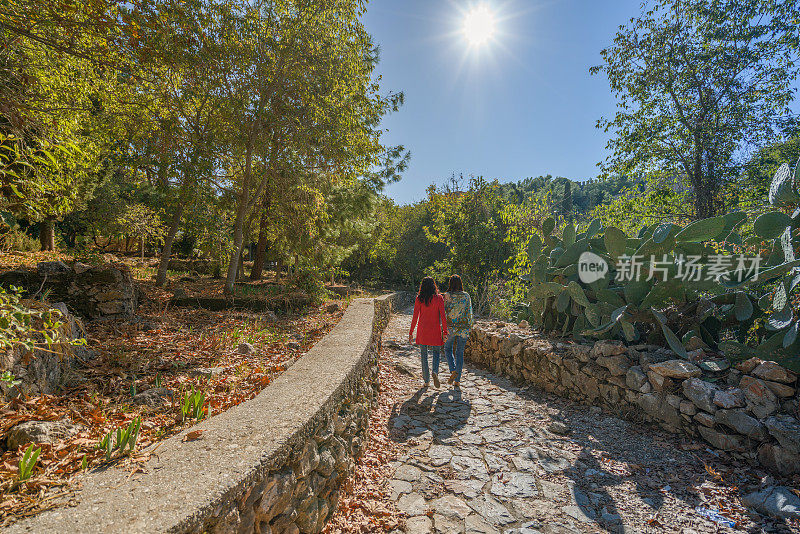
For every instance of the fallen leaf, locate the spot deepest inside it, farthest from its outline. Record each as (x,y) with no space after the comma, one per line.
(193,435)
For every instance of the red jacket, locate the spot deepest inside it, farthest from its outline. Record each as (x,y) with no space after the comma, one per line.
(430,328)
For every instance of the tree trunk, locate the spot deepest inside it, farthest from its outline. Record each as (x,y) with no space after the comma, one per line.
(238,227)
(47,234)
(261,247)
(141,248)
(161,276)
(278,269)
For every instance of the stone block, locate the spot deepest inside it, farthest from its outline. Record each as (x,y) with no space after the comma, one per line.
(760,399)
(680,369)
(742,423)
(721,440)
(701,393)
(773,372)
(786,429)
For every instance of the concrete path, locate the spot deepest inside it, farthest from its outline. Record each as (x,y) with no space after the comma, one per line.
(496,458)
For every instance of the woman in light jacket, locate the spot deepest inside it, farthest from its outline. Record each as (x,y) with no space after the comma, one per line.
(458,306)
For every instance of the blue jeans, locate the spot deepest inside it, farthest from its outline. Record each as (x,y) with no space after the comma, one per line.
(423,352)
(456,364)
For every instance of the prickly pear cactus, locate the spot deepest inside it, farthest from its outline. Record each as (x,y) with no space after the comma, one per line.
(651,289)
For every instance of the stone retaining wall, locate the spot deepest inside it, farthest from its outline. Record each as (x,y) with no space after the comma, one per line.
(271,465)
(93,292)
(750,411)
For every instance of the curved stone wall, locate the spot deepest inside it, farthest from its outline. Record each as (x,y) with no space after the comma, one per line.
(270,465)
(750,411)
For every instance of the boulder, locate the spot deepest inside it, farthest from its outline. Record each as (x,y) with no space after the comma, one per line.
(774,372)
(41,432)
(760,399)
(780,390)
(775,501)
(742,423)
(680,369)
(786,429)
(701,393)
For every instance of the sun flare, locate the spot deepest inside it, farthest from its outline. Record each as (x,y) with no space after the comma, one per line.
(479,25)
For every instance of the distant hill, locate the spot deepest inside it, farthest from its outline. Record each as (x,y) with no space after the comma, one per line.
(568,196)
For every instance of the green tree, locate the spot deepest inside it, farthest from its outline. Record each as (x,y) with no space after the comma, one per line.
(697,81)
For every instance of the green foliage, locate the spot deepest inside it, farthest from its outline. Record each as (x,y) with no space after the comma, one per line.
(29,327)
(123,439)
(28,462)
(193,405)
(697,82)
(724,311)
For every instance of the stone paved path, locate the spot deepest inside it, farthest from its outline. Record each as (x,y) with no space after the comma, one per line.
(496,458)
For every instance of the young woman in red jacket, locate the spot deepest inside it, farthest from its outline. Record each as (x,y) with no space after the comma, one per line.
(432,329)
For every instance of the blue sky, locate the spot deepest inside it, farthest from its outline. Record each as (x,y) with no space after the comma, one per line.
(523,105)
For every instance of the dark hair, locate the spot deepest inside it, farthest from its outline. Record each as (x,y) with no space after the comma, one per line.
(427,289)
(454,284)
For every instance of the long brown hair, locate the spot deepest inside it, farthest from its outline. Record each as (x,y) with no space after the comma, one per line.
(427,289)
(454,284)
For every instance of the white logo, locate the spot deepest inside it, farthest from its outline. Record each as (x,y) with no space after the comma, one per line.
(591,267)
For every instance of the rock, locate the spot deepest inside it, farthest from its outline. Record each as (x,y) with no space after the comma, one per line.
(786,429)
(38,432)
(524,324)
(773,372)
(152,397)
(412,504)
(688,408)
(475,524)
(52,268)
(742,423)
(705,419)
(559,428)
(606,347)
(616,365)
(778,459)
(659,382)
(775,501)
(308,460)
(333,307)
(277,495)
(729,398)
(748,365)
(419,524)
(206,371)
(635,378)
(761,401)
(652,404)
(270,315)
(246,348)
(676,369)
(451,507)
(701,393)
(409,473)
(780,390)
(514,485)
(721,440)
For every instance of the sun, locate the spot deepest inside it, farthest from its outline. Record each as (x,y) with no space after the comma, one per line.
(479,25)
